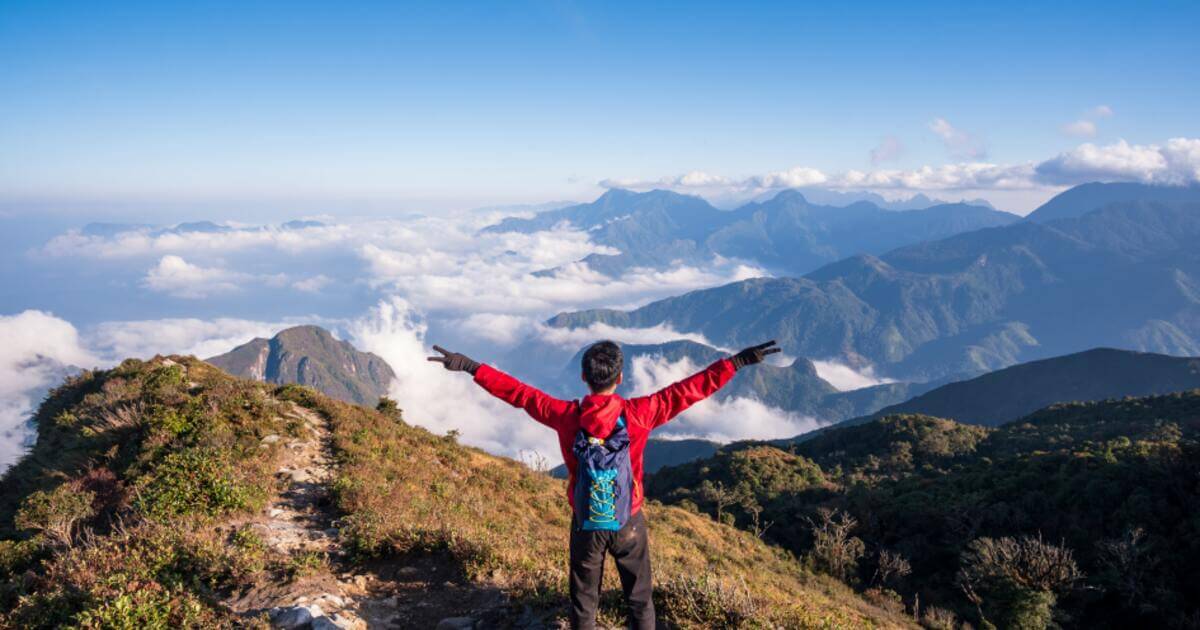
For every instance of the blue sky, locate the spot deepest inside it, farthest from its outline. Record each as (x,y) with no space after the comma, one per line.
(422,106)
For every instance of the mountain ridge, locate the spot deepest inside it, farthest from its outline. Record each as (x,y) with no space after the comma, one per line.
(310,355)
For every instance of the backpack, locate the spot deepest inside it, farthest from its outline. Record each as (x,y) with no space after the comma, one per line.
(604,481)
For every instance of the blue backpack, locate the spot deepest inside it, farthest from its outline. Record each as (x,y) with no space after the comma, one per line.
(604,481)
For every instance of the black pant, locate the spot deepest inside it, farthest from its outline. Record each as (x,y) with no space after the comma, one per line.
(630,547)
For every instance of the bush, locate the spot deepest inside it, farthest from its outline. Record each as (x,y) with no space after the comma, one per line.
(1015,580)
(55,513)
(194,481)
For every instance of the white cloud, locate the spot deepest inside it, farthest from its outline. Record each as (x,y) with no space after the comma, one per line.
(889,149)
(846,378)
(718,420)
(439,400)
(36,349)
(1081,128)
(575,338)
(313,284)
(175,276)
(1176,162)
(959,143)
(1086,126)
(143,339)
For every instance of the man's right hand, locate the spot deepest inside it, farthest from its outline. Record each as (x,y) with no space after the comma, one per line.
(752,355)
(454,361)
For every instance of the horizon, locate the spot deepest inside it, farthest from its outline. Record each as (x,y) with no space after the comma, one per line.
(135,108)
(407,133)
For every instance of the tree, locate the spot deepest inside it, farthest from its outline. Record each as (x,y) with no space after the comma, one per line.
(834,549)
(1016,580)
(719,495)
(755,511)
(890,566)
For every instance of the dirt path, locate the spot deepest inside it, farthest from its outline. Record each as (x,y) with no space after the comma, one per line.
(328,590)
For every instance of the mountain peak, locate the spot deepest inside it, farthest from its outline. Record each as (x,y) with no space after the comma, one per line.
(310,355)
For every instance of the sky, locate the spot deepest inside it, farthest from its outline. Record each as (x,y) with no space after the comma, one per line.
(403,129)
(140,107)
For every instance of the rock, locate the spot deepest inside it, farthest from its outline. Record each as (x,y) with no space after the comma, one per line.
(294,617)
(270,439)
(301,476)
(333,600)
(456,623)
(325,623)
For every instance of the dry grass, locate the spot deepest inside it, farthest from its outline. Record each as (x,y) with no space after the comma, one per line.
(402,489)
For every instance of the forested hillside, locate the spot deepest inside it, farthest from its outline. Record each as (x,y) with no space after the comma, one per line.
(1080,514)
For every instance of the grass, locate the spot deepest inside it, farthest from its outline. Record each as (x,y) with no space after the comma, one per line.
(128,513)
(402,489)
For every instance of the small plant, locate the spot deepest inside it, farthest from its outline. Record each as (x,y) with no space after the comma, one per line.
(56,513)
(306,563)
(389,408)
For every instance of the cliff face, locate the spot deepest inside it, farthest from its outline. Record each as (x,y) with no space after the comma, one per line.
(310,355)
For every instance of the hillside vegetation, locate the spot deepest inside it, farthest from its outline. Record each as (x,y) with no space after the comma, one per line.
(1080,514)
(137,509)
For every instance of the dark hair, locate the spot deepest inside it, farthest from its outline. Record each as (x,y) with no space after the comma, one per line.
(602,363)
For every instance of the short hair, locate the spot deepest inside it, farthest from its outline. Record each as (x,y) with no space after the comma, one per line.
(602,365)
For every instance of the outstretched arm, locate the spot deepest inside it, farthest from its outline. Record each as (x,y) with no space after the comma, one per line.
(660,407)
(540,406)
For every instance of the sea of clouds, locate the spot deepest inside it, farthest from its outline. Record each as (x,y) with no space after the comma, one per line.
(430,280)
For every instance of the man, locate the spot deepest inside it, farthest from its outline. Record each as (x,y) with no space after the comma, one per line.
(601,415)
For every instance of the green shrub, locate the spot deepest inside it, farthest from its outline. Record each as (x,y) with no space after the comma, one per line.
(55,513)
(194,481)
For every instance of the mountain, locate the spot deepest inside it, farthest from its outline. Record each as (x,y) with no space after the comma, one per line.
(167,493)
(661,228)
(1126,276)
(1007,394)
(1080,514)
(309,355)
(660,453)
(1082,199)
(796,387)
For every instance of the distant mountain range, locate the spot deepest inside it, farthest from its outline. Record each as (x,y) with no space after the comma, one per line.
(992,399)
(786,233)
(796,387)
(1124,275)
(310,355)
(1008,394)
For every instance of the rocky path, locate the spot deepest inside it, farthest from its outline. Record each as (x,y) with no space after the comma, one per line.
(327,590)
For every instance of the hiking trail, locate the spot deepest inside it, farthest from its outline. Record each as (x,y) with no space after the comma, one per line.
(327,590)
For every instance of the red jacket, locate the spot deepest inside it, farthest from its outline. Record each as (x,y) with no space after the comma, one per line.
(598,414)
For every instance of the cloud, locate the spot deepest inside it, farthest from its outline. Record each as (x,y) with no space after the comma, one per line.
(1174,162)
(117,340)
(575,338)
(1082,128)
(313,284)
(889,149)
(1085,127)
(1177,163)
(718,420)
(440,400)
(846,378)
(175,276)
(959,143)
(37,350)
